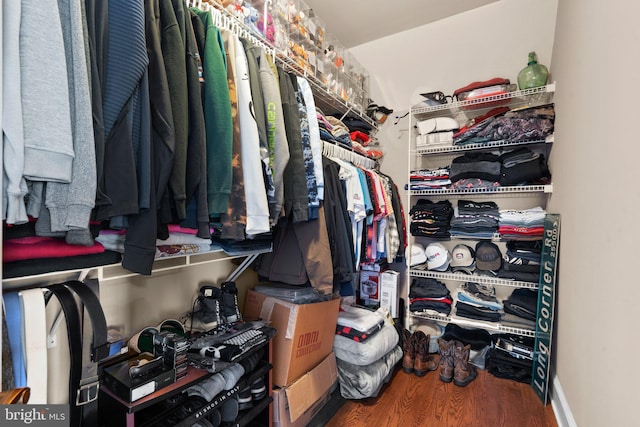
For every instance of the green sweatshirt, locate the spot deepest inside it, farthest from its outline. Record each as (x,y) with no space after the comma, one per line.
(218,122)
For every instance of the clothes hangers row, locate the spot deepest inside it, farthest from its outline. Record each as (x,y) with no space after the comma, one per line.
(223,19)
(333,150)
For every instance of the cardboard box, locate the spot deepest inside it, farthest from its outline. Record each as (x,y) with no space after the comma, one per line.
(297,404)
(389,291)
(369,286)
(305,333)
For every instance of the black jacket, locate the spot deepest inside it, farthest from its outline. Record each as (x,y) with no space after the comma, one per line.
(296,200)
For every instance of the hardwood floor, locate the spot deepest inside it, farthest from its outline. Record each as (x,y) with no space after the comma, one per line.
(408,400)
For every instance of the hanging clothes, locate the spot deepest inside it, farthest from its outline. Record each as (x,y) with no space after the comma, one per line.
(296,200)
(258,105)
(125,68)
(276,133)
(70,204)
(234,220)
(218,117)
(314,134)
(307,153)
(172,19)
(139,252)
(339,230)
(14,186)
(355,201)
(301,254)
(197,215)
(257,209)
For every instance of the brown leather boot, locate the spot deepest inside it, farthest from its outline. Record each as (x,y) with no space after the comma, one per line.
(446,360)
(409,350)
(463,371)
(424,361)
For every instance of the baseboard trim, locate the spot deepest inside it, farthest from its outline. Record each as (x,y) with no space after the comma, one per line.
(560,405)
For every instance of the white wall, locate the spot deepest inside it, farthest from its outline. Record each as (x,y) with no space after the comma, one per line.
(491,41)
(595,61)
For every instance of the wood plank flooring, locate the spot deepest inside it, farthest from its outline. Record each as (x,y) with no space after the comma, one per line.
(408,400)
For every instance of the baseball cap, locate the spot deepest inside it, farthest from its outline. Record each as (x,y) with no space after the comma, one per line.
(415,255)
(463,259)
(488,256)
(438,257)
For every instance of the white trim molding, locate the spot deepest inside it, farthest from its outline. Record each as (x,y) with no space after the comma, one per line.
(560,405)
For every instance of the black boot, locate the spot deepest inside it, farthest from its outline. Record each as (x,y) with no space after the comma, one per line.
(206,314)
(229,303)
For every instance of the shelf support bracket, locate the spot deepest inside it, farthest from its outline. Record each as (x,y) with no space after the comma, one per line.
(346,113)
(242,267)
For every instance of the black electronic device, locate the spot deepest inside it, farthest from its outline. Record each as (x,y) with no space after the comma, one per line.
(137,377)
(173,350)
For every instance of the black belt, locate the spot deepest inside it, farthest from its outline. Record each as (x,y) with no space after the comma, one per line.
(84,353)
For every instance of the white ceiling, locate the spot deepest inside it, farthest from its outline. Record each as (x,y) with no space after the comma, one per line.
(354,22)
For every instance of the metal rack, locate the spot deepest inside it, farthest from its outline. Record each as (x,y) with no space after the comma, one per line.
(545,189)
(446,149)
(516,99)
(474,323)
(328,101)
(433,154)
(462,277)
(110,272)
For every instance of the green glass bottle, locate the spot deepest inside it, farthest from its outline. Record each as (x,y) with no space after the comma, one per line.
(533,75)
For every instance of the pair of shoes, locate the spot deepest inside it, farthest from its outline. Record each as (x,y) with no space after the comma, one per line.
(213,307)
(454,363)
(416,358)
(256,391)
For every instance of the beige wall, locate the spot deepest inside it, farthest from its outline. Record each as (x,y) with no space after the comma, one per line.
(132,301)
(139,301)
(595,61)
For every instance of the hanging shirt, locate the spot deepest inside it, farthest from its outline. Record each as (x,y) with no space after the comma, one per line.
(355,202)
(312,188)
(367,196)
(392,237)
(314,134)
(217,116)
(254,189)
(234,220)
(276,132)
(14,187)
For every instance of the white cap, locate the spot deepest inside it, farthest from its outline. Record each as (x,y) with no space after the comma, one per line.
(438,257)
(415,255)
